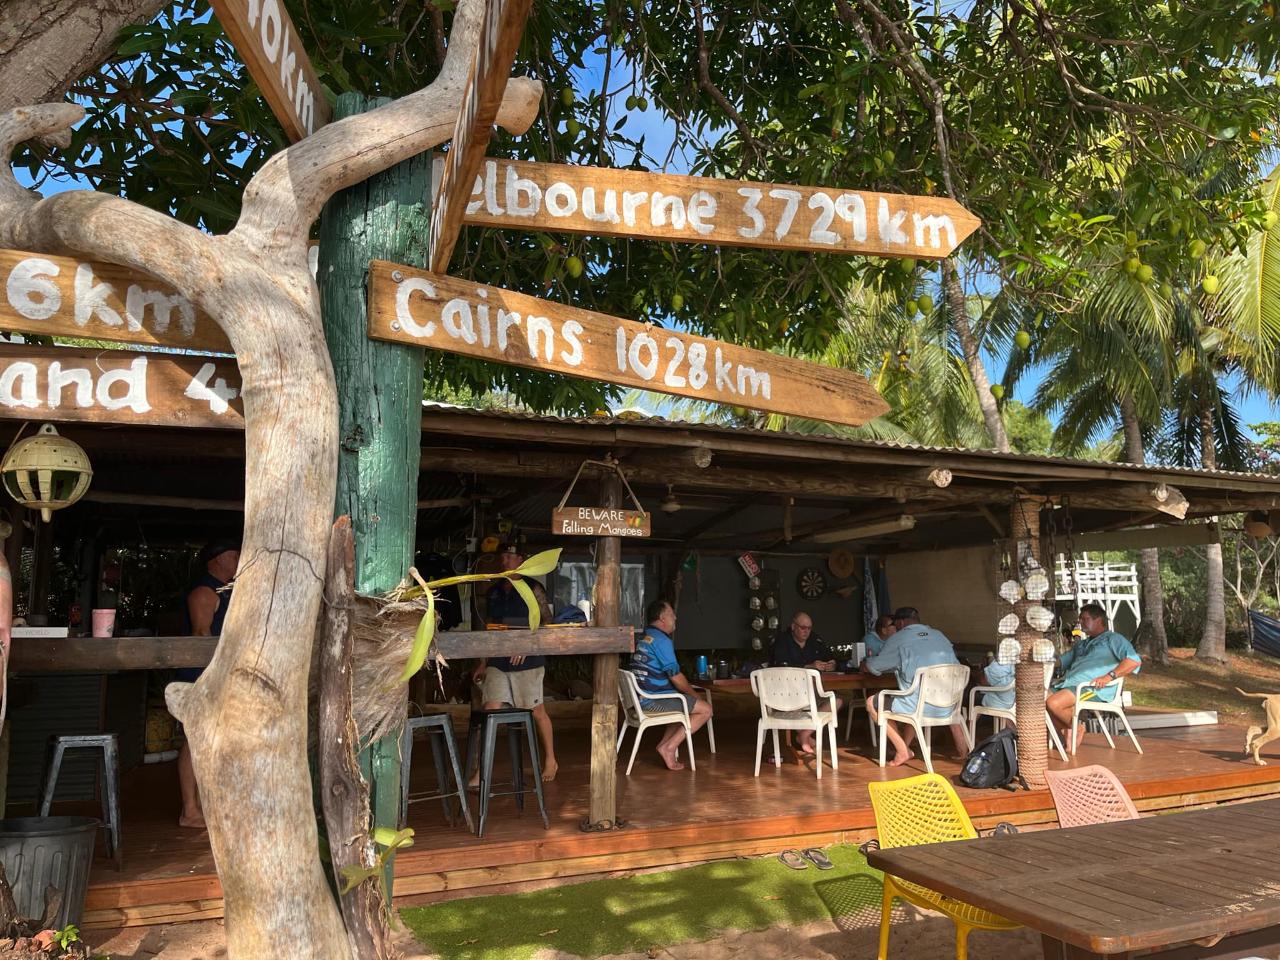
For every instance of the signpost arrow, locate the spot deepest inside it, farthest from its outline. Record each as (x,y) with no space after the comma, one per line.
(267,41)
(660,206)
(114,386)
(415,306)
(62,297)
(499,37)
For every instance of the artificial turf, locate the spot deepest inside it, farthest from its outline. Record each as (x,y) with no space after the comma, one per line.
(635,913)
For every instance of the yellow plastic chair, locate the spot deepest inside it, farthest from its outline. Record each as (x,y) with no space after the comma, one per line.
(925,809)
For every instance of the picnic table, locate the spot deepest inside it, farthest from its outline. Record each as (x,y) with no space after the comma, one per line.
(1206,882)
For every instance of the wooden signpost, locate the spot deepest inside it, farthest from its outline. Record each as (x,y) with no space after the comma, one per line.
(499,37)
(61,297)
(113,386)
(268,43)
(598,522)
(414,306)
(660,206)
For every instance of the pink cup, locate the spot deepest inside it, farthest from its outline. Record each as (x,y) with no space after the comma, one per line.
(104,623)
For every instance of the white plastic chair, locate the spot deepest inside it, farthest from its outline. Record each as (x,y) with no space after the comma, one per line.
(635,717)
(1115,707)
(711,721)
(941,686)
(1001,714)
(792,698)
(857,701)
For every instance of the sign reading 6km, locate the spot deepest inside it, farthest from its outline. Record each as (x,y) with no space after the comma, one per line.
(430,310)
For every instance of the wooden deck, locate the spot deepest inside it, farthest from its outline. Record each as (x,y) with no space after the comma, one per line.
(718,812)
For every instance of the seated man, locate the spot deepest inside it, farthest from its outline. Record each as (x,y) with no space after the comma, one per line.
(1098,658)
(798,646)
(912,646)
(657,671)
(999,674)
(877,635)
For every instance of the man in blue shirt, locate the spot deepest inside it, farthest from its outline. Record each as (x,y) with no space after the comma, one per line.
(1098,659)
(912,646)
(877,635)
(657,671)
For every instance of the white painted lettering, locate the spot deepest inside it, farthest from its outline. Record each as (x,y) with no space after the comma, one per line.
(78,377)
(662,207)
(477,193)
(540,327)
(304,104)
(820,232)
(851,208)
(752,209)
(457,320)
(632,200)
(491,188)
(288,65)
(646,368)
(404,315)
(620,347)
(697,365)
(757,380)
(788,212)
(702,205)
(723,381)
(482,315)
(216,395)
(934,226)
(91,298)
(610,212)
(671,378)
(162,307)
(518,187)
(29,294)
(271,29)
(572,333)
(134,380)
(560,200)
(18,385)
(891,224)
(505,322)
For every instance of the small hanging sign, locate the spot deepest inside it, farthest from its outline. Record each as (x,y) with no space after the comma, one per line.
(599,521)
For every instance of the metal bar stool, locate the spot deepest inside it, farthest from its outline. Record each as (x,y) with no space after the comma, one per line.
(106,742)
(482,736)
(438,725)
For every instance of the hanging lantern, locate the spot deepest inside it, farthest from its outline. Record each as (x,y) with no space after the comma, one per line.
(1039,618)
(46,472)
(1009,652)
(1037,585)
(1008,623)
(1011,591)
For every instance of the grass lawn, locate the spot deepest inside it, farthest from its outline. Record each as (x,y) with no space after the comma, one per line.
(1187,684)
(637,913)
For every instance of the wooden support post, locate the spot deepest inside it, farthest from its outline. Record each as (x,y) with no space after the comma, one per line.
(1033,736)
(604,712)
(379,395)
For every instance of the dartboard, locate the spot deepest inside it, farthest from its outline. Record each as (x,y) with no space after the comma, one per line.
(811,583)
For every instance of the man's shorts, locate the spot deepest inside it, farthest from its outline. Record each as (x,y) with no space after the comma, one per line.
(518,688)
(666,705)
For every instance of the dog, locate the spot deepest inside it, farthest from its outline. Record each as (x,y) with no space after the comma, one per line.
(1255,738)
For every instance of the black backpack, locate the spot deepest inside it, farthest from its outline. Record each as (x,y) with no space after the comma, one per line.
(993,763)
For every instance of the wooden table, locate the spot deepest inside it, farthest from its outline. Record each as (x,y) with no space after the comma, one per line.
(830,681)
(1208,880)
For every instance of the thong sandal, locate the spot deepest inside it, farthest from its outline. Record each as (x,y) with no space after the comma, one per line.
(817,858)
(792,859)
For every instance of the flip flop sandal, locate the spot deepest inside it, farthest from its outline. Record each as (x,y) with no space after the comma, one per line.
(792,859)
(817,858)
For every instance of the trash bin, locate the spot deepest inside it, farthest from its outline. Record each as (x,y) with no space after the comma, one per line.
(40,852)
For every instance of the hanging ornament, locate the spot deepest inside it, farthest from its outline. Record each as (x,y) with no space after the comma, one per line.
(1009,652)
(1039,618)
(1011,591)
(1037,585)
(1008,623)
(1042,650)
(46,472)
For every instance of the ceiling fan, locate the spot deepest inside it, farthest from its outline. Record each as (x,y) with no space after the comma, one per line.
(669,503)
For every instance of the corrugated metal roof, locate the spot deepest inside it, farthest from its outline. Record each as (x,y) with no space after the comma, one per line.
(715,429)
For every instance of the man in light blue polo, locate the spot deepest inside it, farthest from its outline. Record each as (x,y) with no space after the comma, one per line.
(913,645)
(877,635)
(1099,658)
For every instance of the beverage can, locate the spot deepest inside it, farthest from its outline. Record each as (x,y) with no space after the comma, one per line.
(703,667)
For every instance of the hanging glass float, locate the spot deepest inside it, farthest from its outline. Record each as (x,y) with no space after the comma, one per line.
(1042,650)
(1008,624)
(1011,591)
(1040,618)
(1009,652)
(46,472)
(1037,585)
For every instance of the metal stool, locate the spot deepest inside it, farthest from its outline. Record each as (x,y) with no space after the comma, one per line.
(483,733)
(439,724)
(106,742)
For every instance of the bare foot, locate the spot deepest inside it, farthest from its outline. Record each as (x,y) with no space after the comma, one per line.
(549,771)
(902,758)
(192,821)
(669,758)
(806,747)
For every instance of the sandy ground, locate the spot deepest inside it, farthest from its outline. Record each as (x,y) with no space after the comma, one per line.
(198,940)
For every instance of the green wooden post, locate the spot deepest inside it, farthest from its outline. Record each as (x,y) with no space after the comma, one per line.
(379,394)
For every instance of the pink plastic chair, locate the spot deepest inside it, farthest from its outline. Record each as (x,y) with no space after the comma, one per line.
(1091,794)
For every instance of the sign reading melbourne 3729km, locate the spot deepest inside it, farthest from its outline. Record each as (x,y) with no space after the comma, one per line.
(426,309)
(659,206)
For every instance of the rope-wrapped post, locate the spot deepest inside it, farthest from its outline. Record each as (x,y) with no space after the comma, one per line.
(1033,735)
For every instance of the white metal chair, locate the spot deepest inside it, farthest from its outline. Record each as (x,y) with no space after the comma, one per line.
(792,698)
(635,717)
(1001,714)
(941,686)
(1115,707)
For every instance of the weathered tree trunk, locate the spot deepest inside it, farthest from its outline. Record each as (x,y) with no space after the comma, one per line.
(958,307)
(1149,558)
(246,717)
(604,711)
(47,45)
(1213,641)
